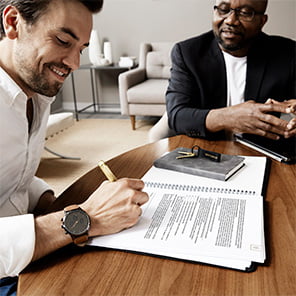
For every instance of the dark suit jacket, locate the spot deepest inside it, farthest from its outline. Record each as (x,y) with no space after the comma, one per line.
(198,79)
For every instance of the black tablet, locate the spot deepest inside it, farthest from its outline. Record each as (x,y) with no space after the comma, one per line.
(283,150)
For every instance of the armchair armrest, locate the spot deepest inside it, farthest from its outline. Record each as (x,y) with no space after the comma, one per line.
(125,81)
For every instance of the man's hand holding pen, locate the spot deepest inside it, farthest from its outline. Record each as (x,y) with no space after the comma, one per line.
(115,206)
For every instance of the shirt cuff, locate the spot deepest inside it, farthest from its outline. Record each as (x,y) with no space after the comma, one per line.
(17,244)
(36,189)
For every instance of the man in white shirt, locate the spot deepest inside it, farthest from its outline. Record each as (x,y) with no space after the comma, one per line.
(40,45)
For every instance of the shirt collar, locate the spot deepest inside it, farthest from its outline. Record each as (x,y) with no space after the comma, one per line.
(10,87)
(14,91)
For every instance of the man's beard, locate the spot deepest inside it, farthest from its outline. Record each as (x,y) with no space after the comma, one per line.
(39,84)
(36,81)
(229,47)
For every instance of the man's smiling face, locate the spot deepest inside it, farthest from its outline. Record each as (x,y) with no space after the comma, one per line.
(46,52)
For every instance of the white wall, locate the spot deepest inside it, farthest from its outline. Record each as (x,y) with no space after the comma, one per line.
(127,23)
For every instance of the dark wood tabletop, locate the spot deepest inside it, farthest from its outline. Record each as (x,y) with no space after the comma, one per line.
(96,271)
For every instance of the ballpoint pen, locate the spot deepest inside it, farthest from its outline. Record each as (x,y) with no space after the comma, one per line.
(107,172)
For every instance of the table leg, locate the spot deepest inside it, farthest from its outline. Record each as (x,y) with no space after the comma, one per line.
(93,89)
(74,96)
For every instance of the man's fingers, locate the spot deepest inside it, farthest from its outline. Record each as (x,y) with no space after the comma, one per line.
(138,196)
(277,123)
(291,128)
(275,107)
(291,124)
(270,123)
(141,198)
(269,101)
(136,184)
(288,106)
(140,211)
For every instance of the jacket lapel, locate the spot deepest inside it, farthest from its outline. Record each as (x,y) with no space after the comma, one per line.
(216,61)
(257,59)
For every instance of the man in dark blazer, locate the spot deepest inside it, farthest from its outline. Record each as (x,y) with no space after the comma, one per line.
(200,98)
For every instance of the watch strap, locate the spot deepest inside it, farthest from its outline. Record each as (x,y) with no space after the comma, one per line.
(71,208)
(80,240)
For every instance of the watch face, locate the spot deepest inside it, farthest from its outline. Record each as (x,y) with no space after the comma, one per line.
(77,222)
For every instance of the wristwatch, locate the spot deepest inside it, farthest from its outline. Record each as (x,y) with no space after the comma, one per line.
(76,222)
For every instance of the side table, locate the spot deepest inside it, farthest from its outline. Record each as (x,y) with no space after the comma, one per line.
(94,88)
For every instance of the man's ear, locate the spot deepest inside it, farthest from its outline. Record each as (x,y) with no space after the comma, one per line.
(11,18)
(264,20)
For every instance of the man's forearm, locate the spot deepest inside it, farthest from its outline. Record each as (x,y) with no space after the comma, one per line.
(49,235)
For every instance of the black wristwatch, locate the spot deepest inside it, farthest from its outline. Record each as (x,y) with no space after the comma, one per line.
(76,222)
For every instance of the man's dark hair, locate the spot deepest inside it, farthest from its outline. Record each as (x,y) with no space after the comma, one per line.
(31,10)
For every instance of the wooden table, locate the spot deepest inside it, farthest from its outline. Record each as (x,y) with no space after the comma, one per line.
(95,271)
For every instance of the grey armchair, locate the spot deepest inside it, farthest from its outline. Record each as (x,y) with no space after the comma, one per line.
(142,90)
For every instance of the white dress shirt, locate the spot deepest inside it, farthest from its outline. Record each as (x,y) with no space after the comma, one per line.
(20,153)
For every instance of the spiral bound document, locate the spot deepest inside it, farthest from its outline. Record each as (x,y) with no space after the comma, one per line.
(199,219)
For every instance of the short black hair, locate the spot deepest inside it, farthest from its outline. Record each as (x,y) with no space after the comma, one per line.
(31,10)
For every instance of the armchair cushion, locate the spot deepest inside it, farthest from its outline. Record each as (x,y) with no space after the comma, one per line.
(158,64)
(151,91)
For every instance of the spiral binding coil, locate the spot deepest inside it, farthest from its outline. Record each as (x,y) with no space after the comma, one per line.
(197,188)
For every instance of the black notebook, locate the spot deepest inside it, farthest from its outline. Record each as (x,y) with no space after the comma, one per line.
(282,150)
(200,166)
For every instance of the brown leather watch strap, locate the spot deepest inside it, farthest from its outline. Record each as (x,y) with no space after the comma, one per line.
(80,240)
(71,207)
